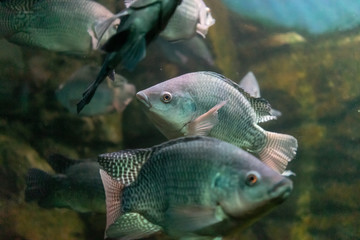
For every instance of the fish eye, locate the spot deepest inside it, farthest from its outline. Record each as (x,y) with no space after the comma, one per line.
(252,178)
(166,97)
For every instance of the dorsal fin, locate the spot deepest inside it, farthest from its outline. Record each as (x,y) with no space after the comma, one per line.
(260,105)
(60,163)
(19,5)
(124,166)
(250,85)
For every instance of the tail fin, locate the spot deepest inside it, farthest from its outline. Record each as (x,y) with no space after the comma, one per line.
(113,193)
(278,151)
(37,185)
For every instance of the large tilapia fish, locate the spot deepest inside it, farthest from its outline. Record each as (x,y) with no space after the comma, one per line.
(206,103)
(69,26)
(189,188)
(140,24)
(76,185)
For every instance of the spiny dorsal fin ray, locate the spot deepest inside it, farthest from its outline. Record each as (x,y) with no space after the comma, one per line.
(260,105)
(19,5)
(124,166)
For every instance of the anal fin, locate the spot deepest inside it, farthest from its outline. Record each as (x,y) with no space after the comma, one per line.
(131,226)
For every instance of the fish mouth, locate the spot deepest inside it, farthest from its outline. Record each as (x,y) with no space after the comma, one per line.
(141,96)
(281,190)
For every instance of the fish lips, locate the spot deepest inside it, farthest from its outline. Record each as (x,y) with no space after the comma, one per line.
(142,97)
(281,190)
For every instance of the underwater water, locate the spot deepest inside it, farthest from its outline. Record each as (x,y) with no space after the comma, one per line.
(313,80)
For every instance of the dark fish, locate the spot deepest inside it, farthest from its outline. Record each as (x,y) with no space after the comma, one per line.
(206,103)
(140,24)
(58,25)
(76,185)
(188,187)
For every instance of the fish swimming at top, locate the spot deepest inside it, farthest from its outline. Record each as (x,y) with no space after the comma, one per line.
(315,17)
(139,25)
(206,103)
(76,185)
(188,188)
(57,25)
(190,17)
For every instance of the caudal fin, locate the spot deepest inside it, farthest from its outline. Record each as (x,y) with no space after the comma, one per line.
(278,151)
(37,185)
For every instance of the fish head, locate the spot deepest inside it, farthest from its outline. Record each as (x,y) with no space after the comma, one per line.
(255,189)
(205,19)
(169,105)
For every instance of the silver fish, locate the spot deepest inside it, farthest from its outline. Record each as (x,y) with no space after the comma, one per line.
(114,96)
(206,103)
(140,24)
(188,187)
(57,25)
(190,17)
(76,185)
(251,86)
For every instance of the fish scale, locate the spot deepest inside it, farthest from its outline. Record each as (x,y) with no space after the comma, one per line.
(207,103)
(58,25)
(186,186)
(240,130)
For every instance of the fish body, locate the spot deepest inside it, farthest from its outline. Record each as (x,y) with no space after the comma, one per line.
(57,25)
(188,187)
(190,17)
(114,96)
(140,24)
(76,185)
(206,103)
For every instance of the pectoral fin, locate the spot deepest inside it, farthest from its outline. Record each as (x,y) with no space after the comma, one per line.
(193,218)
(203,124)
(131,226)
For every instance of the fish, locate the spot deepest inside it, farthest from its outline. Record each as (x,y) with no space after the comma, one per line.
(312,17)
(69,27)
(188,188)
(140,24)
(190,17)
(76,185)
(114,96)
(251,86)
(182,52)
(207,103)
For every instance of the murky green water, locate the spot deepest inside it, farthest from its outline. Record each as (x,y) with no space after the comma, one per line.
(312,79)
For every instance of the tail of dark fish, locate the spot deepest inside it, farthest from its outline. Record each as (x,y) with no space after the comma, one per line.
(90,91)
(38,185)
(278,151)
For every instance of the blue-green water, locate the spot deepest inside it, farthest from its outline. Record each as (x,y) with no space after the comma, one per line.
(312,79)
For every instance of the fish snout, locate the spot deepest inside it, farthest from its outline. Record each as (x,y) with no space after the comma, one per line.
(281,190)
(142,97)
